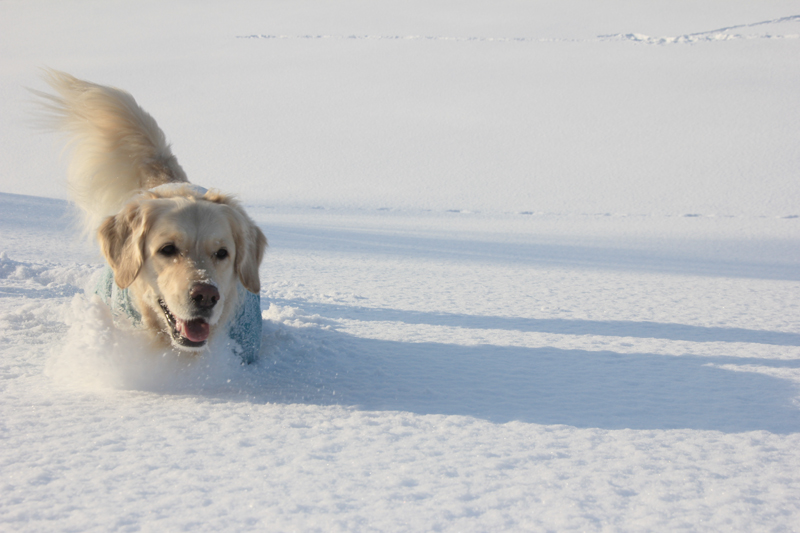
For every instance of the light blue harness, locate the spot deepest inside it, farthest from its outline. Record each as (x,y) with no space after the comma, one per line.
(244,329)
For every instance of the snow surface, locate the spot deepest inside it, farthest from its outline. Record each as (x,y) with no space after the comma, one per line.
(532,266)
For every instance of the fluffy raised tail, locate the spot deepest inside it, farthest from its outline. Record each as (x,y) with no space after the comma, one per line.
(117,147)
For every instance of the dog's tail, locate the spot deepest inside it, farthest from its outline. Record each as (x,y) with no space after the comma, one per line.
(117,148)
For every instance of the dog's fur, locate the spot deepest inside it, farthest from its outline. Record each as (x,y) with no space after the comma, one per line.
(180,251)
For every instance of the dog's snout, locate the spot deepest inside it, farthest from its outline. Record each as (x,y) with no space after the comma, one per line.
(204,295)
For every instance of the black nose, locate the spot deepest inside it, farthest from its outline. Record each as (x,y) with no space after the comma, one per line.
(204,295)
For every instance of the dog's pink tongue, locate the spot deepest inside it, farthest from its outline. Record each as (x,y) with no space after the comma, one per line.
(195,330)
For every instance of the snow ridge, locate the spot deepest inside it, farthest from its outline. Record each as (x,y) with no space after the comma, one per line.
(720,34)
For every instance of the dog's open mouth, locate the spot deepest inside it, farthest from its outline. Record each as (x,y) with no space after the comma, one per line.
(189,333)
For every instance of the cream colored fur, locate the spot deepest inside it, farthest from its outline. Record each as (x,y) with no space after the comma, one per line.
(117,147)
(161,242)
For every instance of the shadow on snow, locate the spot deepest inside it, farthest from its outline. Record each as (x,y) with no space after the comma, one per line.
(609,328)
(537,385)
(743,258)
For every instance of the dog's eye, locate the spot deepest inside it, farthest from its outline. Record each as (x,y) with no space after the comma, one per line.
(168,250)
(222,253)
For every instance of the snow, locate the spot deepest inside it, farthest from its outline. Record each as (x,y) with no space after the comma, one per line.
(532,266)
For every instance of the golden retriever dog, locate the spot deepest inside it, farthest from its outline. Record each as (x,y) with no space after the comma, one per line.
(184,260)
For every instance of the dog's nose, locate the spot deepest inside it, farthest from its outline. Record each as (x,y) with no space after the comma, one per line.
(204,295)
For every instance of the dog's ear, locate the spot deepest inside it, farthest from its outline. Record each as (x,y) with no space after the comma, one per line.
(250,262)
(122,240)
(249,240)
(250,245)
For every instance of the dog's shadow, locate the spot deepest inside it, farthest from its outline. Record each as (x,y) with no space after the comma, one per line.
(316,364)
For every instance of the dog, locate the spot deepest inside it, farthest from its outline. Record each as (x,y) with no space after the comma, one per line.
(184,261)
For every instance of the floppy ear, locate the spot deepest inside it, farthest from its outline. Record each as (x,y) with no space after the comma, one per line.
(122,241)
(250,245)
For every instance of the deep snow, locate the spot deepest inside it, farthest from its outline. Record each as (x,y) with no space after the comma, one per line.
(532,266)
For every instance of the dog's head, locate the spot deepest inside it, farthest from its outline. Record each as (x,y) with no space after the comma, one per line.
(181,253)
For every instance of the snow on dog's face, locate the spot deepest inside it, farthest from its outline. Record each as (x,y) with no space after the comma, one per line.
(180,254)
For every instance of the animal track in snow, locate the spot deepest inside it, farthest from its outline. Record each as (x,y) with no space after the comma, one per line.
(402,38)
